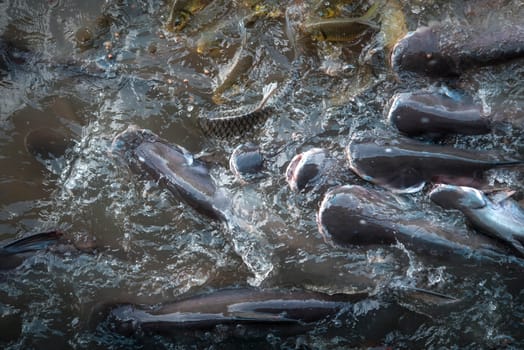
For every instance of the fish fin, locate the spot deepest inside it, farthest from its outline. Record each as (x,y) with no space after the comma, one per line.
(268,91)
(502,196)
(262,317)
(408,180)
(33,242)
(429,295)
(517,245)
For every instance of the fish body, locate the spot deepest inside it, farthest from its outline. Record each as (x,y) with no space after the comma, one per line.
(446,49)
(340,29)
(237,121)
(502,219)
(245,306)
(405,165)
(173,166)
(352,215)
(416,114)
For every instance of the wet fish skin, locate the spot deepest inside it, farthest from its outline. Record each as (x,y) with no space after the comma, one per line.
(404,165)
(173,166)
(309,169)
(246,162)
(434,114)
(261,308)
(13,253)
(446,50)
(352,215)
(503,220)
(234,122)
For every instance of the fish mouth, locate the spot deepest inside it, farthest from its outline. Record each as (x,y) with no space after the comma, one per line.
(129,139)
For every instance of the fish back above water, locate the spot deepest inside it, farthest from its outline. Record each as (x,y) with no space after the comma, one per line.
(446,49)
(187,178)
(426,113)
(405,165)
(503,220)
(352,215)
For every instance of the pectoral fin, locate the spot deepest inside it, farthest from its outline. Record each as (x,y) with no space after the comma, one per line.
(33,242)
(407,180)
(262,317)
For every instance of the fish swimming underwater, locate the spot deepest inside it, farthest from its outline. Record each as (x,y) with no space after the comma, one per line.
(405,166)
(501,218)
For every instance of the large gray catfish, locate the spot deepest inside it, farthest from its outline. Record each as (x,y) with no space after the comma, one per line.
(241,306)
(404,166)
(446,49)
(352,215)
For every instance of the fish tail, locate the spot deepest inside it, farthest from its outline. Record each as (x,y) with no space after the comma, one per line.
(33,242)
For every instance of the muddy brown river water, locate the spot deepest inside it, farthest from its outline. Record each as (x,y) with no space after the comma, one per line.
(85,71)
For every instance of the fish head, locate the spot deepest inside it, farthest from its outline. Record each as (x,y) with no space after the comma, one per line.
(387,166)
(419,52)
(353,215)
(458,197)
(129,139)
(246,161)
(305,168)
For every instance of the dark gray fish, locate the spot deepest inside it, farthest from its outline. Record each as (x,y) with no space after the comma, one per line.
(247,162)
(447,49)
(405,165)
(502,219)
(352,215)
(14,253)
(309,169)
(234,122)
(257,307)
(435,114)
(189,180)
(172,166)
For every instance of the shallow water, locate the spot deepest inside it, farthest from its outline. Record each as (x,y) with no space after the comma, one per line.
(152,248)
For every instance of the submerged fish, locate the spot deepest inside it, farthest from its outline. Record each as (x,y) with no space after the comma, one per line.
(448,49)
(434,114)
(340,29)
(356,216)
(502,218)
(181,11)
(260,308)
(405,165)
